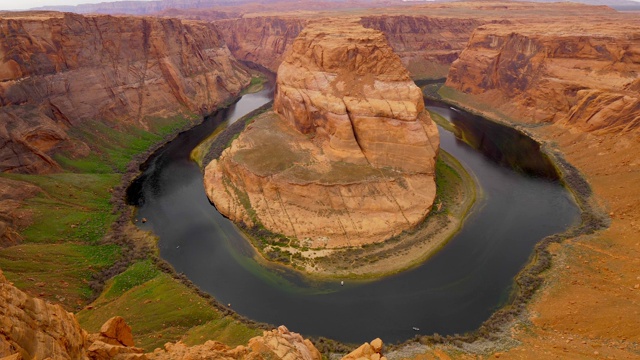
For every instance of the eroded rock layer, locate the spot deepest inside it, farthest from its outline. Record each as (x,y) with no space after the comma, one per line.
(347,159)
(427,45)
(262,39)
(60,70)
(31,328)
(584,75)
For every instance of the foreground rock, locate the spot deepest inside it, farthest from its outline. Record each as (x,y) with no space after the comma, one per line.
(348,158)
(31,328)
(35,329)
(274,344)
(61,72)
(367,351)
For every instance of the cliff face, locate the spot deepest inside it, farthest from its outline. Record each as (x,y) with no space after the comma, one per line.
(262,39)
(60,70)
(427,45)
(349,158)
(583,75)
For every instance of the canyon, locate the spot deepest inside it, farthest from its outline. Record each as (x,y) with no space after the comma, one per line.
(347,159)
(566,74)
(585,77)
(59,72)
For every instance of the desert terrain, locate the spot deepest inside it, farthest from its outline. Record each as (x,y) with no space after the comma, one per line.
(85,98)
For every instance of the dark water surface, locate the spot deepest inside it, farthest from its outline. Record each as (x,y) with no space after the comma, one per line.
(453,292)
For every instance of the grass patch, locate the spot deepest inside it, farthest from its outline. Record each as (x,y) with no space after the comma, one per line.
(442,122)
(136,274)
(258,80)
(161,310)
(114,145)
(56,272)
(470,102)
(71,207)
(225,330)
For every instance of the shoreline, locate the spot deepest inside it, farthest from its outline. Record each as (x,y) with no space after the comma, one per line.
(495,325)
(529,280)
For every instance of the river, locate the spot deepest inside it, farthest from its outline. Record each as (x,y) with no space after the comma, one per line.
(453,292)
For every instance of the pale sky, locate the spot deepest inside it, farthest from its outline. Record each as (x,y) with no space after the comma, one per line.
(28,4)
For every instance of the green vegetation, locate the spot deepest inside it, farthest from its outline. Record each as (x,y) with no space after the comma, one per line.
(137,274)
(74,237)
(56,272)
(469,102)
(160,309)
(114,145)
(258,80)
(70,207)
(225,330)
(442,122)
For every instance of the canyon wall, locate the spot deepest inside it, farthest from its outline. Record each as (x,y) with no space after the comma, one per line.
(426,45)
(261,39)
(349,156)
(586,75)
(60,70)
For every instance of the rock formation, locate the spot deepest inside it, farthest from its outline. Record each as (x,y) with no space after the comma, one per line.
(427,45)
(12,215)
(275,344)
(262,39)
(35,329)
(367,351)
(31,328)
(58,71)
(583,75)
(349,157)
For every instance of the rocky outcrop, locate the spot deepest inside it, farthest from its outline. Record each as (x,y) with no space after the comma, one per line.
(31,328)
(349,157)
(583,75)
(35,329)
(367,351)
(427,45)
(275,344)
(58,71)
(262,39)
(12,215)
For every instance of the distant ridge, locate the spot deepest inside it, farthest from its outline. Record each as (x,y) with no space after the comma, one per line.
(157,6)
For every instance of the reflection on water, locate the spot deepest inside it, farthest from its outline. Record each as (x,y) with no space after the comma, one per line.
(500,143)
(455,291)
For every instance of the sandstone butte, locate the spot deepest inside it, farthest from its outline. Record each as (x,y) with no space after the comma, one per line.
(31,328)
(348,157)
(60,71)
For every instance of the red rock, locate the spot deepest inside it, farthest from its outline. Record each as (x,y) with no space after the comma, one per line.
(350,158)
(60,71)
